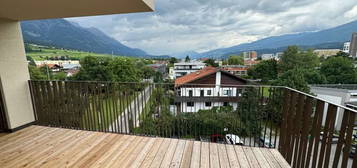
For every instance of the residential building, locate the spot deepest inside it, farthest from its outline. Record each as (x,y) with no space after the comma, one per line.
(250,55)
(353,45)
(326,52)
(58,62)
(346,47)
(341,94)
(268,56)
(159,68)
(250,63)
(208,88)
(184,68)
(239,70)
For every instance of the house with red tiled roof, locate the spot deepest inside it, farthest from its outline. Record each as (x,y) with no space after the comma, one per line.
(207,88)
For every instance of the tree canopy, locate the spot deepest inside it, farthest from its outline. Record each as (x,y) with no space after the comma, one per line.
(339,70)
(294,57)
(211,62)
(265,70)
(235,60)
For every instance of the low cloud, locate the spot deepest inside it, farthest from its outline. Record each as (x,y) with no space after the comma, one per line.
(202,25)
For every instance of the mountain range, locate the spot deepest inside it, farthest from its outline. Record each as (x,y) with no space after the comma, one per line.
(61,33)
(329,38)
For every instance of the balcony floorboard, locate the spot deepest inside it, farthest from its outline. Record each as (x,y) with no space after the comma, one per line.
(38,146)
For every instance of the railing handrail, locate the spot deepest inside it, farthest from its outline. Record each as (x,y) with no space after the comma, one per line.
(256,86)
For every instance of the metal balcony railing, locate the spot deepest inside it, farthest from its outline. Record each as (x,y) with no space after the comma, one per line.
(308,131)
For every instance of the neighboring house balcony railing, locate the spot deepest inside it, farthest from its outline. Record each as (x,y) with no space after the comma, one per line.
(308,131)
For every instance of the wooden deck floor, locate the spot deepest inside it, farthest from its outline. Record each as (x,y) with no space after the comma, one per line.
(38,146)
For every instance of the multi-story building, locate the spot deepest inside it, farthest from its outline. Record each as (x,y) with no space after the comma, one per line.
(268,56)
(251,55)
(353,45)
(346,47)
(207,88)
(184,68)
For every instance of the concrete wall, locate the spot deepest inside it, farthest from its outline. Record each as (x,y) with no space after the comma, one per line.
(14,75)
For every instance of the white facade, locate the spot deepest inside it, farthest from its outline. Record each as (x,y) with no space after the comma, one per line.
(184,68)
(346,47)
(201,93)
(267,56)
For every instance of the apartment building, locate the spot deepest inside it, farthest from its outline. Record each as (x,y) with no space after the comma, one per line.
(184,68)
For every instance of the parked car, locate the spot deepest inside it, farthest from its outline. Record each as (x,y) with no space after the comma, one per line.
(228,139)
(353,151)
(233,139)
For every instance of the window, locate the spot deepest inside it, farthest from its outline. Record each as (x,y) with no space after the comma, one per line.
(209,92)
(190,93)
(202,93)
(227,92)
(225,104)
(190,104)
(208,104)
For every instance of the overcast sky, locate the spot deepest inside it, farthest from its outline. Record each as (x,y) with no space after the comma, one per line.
(202,25)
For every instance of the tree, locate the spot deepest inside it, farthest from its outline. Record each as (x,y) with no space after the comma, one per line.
(211,62)
(95,68)
(36,74)
(265,70)
(314,76)
(30,60)
(173,60)
(342,54)
(235,60)
(339,70)
(294,57)
(124,70)
(187,59)
(295,79)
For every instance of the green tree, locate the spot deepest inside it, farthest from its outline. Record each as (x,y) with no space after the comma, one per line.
(187,59)
(235,60)
(339,70)
(95,68)
(314,76)
(295,79)
(30,60)
(36,74)
(342,54)
(265,70)
(294,57)
(124,70)
(59,76)
(211,62)
(173,60)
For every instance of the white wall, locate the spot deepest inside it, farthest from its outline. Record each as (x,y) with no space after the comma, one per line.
(202,106)
(14,75)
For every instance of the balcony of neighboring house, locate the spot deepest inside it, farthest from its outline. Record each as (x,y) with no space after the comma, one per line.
(109,124)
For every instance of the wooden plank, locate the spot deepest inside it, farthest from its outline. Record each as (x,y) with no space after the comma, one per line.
(241,156)
(76,148)
(187,155)
(122,157)
(205,155)
(129,159)
(143,153)
(223,156)
(253,162)
(106,162)
(161,153)
(177,158)
(279,158)
(91,154)
(272,161)
(152,153)
(111,152)
(196,154)
(260,158)
(18,136)
(214,158)
(232,156)
(169,154)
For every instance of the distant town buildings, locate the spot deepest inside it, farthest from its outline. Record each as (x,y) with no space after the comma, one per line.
(326,52)
(250,55)
(58,62)
(158,68)
(184,68)
(275,56)
(69,67)
(353,45)
(239,70)
(346,47)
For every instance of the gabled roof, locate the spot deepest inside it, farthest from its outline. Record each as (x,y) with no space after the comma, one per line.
(200,74)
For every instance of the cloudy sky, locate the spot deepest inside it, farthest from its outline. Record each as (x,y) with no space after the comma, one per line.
(202,25)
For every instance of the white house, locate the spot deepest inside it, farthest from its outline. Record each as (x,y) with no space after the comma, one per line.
(184,68)
(208,88)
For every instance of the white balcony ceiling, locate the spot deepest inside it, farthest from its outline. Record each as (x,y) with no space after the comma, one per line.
(47,9)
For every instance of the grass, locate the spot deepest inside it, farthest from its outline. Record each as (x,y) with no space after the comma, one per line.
(41,53)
